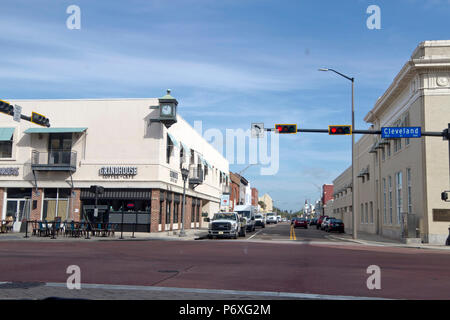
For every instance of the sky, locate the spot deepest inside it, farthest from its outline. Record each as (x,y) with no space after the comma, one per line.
(229,63)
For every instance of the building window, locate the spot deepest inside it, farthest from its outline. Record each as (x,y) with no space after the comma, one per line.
(161,208)
(362,213)
(388,150)
(175,212)
(193,211)
(167,212)
(408,177)
(407,124)
(6,148)
(371,212)
(390,199)
(399,196)
(398,142)
(169,149)
(192,157)
(384,201)
(383,154)
(367,213)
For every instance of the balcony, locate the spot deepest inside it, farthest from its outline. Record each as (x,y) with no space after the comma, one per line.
(226,189)
(196,177)
(54,161)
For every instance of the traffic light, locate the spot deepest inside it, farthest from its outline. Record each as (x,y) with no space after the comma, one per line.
(340,130)
(40,119)
(7,108)
(286,128)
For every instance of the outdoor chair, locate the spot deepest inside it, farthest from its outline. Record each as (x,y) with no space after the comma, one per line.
(70,229)
(35,227)
(42,229)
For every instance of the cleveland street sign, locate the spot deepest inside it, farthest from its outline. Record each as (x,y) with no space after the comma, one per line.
(401,132)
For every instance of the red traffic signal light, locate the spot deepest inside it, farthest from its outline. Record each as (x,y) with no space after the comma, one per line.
(286,128)
(340,130)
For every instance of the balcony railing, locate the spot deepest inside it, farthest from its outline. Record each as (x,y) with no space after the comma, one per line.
(54,161)
(196,176)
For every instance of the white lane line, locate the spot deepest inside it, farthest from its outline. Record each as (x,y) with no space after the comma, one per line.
(255,234)
(216,291)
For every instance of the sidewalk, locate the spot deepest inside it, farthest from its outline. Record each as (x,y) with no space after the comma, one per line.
(377,240)
(191,234)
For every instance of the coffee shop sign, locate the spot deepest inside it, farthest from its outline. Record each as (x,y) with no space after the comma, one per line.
(118,171)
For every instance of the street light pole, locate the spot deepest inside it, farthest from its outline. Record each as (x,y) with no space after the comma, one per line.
(184,174)
(353,148)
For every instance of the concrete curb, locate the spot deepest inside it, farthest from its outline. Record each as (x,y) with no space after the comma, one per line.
(387,244)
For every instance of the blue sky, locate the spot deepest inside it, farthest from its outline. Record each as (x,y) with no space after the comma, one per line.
(229,63)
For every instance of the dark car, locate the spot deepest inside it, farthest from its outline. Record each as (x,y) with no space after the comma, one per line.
(335,225)
(313,222)
(320,220)
(301,222)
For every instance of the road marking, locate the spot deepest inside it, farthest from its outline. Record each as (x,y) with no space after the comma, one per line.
(255,234)
(292,235)
(216,291)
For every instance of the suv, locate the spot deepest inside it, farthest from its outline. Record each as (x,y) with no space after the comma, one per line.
(271,218)
(225,224)
(260,221)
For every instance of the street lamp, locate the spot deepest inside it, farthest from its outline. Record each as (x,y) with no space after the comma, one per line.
(184,174)
(353,147)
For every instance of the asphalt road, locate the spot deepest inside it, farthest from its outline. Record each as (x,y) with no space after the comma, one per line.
(255,264)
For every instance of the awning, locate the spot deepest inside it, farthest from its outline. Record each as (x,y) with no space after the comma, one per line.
(186,148)
(54,130)
(6,134)
(175,142)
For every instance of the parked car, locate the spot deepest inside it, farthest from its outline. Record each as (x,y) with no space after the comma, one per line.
(301,222)
(335,225)
(260,221)
(226,225)
(278,218)
(325,222)
(320,220)
(313,222)
(271,218)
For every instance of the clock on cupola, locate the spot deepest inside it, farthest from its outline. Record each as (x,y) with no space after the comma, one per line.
(168,109)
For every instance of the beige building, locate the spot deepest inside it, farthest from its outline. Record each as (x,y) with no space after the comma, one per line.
(400,181)
(115,143)
(268,202)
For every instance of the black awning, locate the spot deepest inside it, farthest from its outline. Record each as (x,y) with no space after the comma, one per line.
(120,194)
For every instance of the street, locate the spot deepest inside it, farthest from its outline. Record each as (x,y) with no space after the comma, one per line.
(267,264)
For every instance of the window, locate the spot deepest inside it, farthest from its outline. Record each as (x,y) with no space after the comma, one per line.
(367,213)
(169,149)
(193,212)
(371,212)
(384,200)
(192,157)
(390,199)
(388,146)
(397,142)
(161,208)
(407,124)
(408,177)
(167,212)
(399,196)
(6,148)
(175,212)
(362,213)
(383,154)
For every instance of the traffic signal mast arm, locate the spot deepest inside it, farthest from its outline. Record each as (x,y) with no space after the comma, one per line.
(424,133)
(7,108)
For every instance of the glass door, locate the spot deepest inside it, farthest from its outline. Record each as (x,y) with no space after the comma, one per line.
(18,209)
(59,148)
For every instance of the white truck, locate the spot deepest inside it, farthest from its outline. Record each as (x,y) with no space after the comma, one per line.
(247,212)
(226,225)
